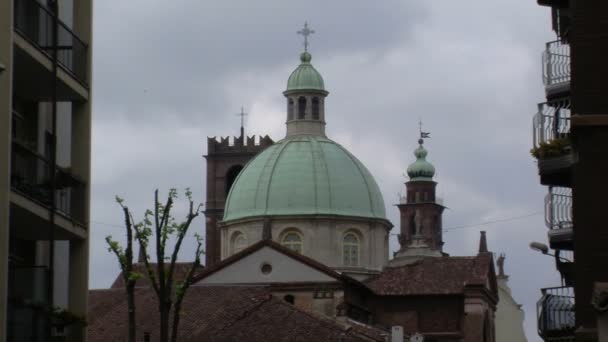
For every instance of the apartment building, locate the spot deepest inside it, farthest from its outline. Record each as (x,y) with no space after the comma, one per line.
(570,144)
(45,153)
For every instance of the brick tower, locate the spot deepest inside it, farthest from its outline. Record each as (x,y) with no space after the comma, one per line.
(421,227)
(224,162)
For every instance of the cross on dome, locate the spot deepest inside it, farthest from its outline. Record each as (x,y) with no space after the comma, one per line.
(306,32)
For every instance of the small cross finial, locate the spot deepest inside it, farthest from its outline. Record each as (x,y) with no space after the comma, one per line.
(242,114)
(306,32)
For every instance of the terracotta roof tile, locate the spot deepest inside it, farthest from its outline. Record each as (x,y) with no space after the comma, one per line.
(218,314)
(433,276)
(181,270)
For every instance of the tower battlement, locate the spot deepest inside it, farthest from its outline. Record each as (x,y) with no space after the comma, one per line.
(237,144)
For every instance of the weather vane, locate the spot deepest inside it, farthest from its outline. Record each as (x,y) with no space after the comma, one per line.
(306,32)
(423,135)
(242,114)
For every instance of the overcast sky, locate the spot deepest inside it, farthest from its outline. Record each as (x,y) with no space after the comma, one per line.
(168,74)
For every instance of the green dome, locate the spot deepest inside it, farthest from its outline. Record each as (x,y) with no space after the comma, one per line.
(305,77)
(421,169)
(304,175)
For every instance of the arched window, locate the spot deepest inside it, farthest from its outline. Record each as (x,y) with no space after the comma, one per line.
(231,175)
(239,242)
(350,249)
(290,109)
(293,241)
(315,108)
(301,107)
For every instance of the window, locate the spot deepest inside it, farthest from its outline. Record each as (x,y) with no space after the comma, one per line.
(231,175)
(315,108)
(301,107)
(239,242)
(293,241)
(351,250)
(290,109)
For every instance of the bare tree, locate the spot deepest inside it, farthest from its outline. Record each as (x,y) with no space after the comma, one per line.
(161,226)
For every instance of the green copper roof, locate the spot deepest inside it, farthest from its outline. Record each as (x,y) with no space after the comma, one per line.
(305,77)
(421,169)
(305,175)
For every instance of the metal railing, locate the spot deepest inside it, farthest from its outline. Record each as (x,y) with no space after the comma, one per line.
(551,121)
(35,22)
(556,63)
(558,208)
(31,174)
(555,313)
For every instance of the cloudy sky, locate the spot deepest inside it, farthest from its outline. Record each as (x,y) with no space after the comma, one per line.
(168,74)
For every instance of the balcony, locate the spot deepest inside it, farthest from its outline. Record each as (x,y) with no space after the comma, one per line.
(565,266)
(35,21)
(551,142)
(27,306)
(555,314)
(556,69)
(31,177)
(558,217)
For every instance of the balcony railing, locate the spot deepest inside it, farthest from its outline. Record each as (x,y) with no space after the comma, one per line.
(558,208)
(551,122)
(35,22)
(555,314)
(31,176)
(556,63)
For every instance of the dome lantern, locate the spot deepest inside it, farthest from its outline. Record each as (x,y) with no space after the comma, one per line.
(305,95)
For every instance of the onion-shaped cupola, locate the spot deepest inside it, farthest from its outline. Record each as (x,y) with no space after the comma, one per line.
(421,169)
(305,95)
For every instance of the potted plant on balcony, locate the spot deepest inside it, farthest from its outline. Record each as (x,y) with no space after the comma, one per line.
(551,149)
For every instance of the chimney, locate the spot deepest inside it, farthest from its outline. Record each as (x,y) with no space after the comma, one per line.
(483,243)
(397,333)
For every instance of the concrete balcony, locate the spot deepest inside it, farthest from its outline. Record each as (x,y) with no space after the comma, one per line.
(34,50)
(551,142)
(558,217)
(555,314)
(556,69)
(32,194)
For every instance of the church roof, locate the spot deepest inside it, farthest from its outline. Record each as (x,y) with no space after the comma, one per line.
(434,276)
(305,175)
(179,274)
(277,247)
(218,314)
(305,76)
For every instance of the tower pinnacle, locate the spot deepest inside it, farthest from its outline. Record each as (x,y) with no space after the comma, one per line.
(306,32)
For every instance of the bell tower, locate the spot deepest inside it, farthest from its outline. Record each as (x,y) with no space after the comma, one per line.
(420,209)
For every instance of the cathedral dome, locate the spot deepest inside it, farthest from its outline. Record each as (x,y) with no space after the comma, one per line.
(305,77)
(421,169)
(305,175)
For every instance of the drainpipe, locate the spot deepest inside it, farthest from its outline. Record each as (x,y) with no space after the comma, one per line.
(53,167)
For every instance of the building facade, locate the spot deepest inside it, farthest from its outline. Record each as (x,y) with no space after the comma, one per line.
(45,122)
(570,137)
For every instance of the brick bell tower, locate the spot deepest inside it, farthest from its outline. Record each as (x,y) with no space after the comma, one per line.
(421,210)
(224,163)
